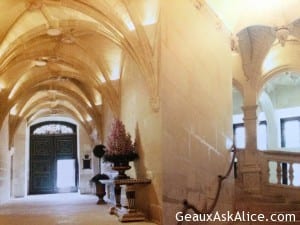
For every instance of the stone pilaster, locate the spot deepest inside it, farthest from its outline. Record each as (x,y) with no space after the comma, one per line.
(250,170)
(250,121)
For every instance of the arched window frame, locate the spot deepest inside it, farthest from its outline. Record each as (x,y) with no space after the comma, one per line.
(53,128)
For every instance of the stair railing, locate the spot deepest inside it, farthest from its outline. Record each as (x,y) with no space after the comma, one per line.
(187,206)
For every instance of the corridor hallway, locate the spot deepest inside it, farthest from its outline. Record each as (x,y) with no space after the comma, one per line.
(58,209)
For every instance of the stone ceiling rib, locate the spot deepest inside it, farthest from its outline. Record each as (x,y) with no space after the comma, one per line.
(140,31)
(104,69)
(103,16)
(8,31)
(67,85)
(93,28)
(40,79)
(95,38)
(59,91)
(131,41)
(41,104)
(25,104)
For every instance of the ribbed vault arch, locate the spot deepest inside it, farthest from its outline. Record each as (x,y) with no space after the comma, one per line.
(93,38)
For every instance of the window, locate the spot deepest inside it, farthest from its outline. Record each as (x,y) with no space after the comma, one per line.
(262,141)
(53,129)
(239,133)
(290,132)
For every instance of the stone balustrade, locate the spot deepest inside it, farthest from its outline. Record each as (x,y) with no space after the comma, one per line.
(281,168)
(280,173)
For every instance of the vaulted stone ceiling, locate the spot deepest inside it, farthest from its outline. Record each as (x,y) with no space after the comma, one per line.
(266,35)
(66,56)
(240,14)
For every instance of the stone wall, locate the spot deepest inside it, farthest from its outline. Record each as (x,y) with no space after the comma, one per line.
(196,106)
(145,125)
(19,162)
(5,164)
(85,148)
(107,119)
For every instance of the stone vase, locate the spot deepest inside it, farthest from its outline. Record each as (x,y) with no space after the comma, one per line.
(121,167)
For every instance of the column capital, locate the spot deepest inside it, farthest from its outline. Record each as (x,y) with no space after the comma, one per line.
(250,112)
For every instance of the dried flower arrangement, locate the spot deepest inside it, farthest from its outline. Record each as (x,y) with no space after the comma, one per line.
(120,147)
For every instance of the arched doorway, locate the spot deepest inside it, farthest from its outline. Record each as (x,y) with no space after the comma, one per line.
(53,165)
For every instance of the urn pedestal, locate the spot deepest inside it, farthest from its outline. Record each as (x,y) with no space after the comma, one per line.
(129,213)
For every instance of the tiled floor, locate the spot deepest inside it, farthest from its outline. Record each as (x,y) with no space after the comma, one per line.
(58,209)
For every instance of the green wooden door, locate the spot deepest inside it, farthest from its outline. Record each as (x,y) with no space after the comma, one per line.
(42,168)
(45,151)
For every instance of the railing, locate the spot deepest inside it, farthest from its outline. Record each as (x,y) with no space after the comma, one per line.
(187,205)
(281,168)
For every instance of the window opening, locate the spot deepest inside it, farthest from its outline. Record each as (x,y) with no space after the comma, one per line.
(53,129)
(290,132)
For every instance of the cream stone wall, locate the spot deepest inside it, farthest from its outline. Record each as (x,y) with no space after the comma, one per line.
(145,125)
(85,147)
(5,164)
(107,119)
(19,165)
(196,107)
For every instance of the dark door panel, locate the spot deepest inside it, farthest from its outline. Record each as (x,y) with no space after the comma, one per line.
(45,150)
(41,165)
(41,146)
(65,146)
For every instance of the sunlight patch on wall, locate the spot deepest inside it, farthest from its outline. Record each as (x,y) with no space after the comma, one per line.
(270,61)
(13,91)
(115,65)
(98,98)
(151,9)
(149,13)
(2,86)
(115,73)
(130,25)
(88,103)
(101,78)
(19,83)
(88,118)
(13,110)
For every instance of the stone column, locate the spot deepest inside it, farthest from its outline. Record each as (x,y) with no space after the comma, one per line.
(250,122)
(250,169)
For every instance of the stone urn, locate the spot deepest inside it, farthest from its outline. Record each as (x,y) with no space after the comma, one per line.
(121,167)
(100,192)
(100,188)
